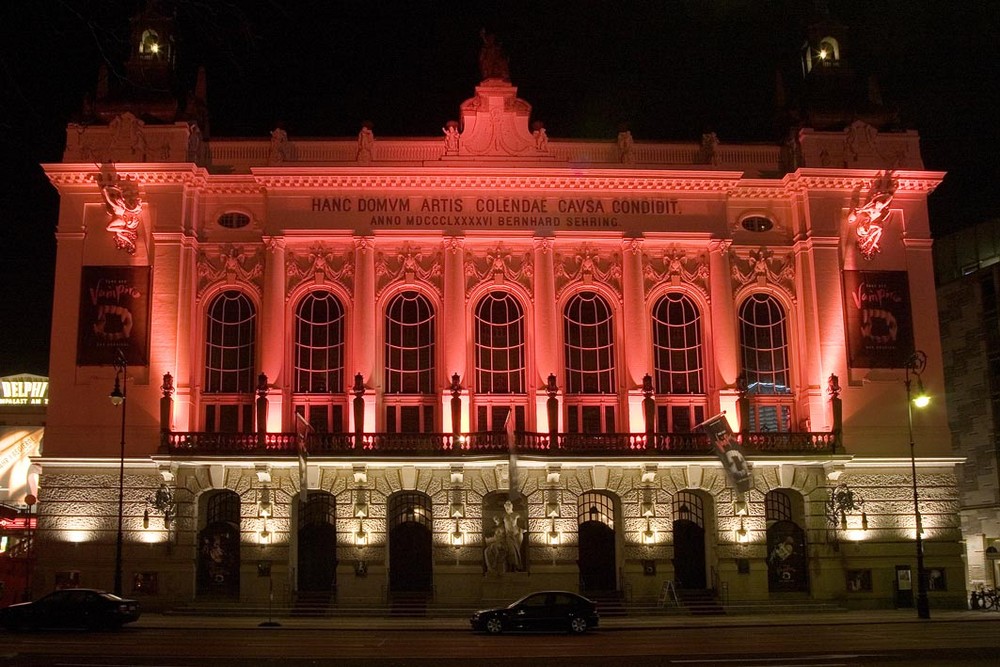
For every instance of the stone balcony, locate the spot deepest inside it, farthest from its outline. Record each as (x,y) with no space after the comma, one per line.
(444,445)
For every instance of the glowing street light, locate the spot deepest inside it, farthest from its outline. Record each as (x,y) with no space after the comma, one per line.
(915,365)
(118,398)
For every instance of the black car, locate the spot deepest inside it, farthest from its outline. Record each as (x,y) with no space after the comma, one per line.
(71,608)
(544,611)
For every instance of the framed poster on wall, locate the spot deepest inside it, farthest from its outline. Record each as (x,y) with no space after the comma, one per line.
(879,318)
(114,315)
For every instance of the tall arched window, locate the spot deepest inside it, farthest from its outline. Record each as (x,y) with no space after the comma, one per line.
(230,350)
(319,361)
(764,355)
(589,333)
(678,359)
(409,363)
(500,361)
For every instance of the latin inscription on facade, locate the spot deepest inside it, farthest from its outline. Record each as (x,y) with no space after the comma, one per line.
(496,212)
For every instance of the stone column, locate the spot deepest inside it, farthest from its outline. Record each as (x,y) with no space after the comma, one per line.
(454,333)
(273,327)
(546,324)
(722,336)
(365,317)
(636,324)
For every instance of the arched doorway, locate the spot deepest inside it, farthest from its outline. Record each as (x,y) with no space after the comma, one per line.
(787,563)
(598,554)
(410,544)
(219,547)
(689,541)
(317,541)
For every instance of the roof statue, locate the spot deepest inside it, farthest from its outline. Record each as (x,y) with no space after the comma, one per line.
(492,60)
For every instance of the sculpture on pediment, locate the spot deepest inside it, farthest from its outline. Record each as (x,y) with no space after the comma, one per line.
(625,144)
(709,148)
(869,218)
(124,205)
(452,137)
(540,136)
(128,139)
(366,142)
(493,62)
(278,151)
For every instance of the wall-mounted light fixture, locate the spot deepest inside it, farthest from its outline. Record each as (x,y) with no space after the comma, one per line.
(742,534)
(649,535)
(361,537)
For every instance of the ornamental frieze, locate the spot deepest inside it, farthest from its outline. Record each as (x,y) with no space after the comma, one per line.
(408,264)
(231,264)
(499,265)
(320,265)
(761,267)
(587,265)
(676,267)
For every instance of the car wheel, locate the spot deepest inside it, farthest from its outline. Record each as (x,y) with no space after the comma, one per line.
(494,626)
(578,625)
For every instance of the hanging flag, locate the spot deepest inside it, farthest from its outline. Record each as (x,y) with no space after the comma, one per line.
(721,438)
(302,431)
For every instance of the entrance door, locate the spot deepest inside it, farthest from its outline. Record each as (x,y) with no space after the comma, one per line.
(411,565)
(597,557)
(689,540)
(689,554)
(410,558)
(318,545)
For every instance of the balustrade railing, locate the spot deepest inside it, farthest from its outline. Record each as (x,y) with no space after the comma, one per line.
(485,443)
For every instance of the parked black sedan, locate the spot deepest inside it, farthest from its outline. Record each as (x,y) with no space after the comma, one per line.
(544,611)
(71,608)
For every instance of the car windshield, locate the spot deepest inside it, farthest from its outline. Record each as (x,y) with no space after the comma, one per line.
(112,597)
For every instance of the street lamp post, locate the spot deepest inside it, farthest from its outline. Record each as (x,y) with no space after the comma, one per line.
(914,367)
(118,397)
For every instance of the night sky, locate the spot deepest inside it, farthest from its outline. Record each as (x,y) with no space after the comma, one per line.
(670,69)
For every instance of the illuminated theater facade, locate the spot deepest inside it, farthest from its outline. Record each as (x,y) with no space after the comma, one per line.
(341,359)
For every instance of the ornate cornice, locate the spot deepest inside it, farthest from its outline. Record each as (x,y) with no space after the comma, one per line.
(631,182)
(149,174)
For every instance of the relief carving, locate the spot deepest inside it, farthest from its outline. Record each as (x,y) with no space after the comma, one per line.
(587,265)
(762,268)
(409,264)
(500,265)
(320,264)
(232,264)
(675,267)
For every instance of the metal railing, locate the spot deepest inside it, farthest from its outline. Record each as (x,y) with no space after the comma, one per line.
(195,443)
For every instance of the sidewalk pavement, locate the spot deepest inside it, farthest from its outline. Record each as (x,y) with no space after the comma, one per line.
(643,621)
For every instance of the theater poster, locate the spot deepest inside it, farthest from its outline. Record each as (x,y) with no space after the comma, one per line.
(114,315)
(879,318)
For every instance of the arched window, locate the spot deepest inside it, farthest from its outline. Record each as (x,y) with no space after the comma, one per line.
(764,354)
(499,345)
(594,506)
(589,337)
(409,363)
(319,361)
(500,362)
(230,350)
(679,366)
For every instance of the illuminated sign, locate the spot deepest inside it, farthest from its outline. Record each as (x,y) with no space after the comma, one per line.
(24,390)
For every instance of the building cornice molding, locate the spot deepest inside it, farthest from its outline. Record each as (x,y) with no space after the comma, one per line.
(485,179)
(147,173)
(852,179)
